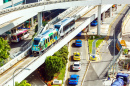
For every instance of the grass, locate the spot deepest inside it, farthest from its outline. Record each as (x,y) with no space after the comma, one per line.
(90,41)
(99,42)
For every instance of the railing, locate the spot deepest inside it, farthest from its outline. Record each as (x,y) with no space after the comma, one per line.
(32,5)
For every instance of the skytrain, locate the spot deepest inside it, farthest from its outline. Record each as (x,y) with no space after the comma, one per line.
(48,37)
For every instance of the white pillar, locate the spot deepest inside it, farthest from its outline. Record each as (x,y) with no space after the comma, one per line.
(103,17)
(111,12)
(116,7)
(12,3)
(99,20)
(39,21)
(32,21)
(88,27)
(1,2)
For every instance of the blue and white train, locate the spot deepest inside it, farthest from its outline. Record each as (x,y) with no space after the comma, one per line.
(48,37)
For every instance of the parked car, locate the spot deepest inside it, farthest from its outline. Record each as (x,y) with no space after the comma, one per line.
(76,66)
(94,23)
(78,43)
(73,79)
(76,56)
(79,34)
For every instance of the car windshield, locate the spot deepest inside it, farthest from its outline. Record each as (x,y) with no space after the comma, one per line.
(73,78)
(76,64)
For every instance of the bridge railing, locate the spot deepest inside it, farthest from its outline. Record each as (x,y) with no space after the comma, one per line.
(16,8)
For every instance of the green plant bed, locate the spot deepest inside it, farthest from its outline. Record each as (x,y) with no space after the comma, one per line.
(99,42)
(91,39)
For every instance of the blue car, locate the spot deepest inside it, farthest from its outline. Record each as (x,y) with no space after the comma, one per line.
(78,43)
(94,23)
(73,79)
(79,34)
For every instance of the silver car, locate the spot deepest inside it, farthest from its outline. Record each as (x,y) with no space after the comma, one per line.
(76,66)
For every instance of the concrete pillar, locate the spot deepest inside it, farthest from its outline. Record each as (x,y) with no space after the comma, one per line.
(103,17)
(32,21)
(12,3)
(116,7)
(1,2)
(99,20)
(111,12)
(88,27)
(39,21)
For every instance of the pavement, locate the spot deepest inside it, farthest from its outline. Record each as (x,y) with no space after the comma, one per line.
(106,49)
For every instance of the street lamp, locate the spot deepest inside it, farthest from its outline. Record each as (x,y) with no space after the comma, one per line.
(16,70)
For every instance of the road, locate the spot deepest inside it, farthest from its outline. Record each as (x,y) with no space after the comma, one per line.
(84,57)
(35,80)
(106,51)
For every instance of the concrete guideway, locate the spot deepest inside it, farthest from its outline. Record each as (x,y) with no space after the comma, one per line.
(69,4)
(80,24)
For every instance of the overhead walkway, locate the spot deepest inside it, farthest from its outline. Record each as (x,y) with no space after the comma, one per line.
(34,62)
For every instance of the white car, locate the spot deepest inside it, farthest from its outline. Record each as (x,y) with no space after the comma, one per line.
(76,66)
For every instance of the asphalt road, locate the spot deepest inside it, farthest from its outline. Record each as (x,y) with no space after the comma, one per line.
(83,51)
(96,69)
(35,80)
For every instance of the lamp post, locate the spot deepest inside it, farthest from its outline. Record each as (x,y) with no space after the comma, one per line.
(16,70)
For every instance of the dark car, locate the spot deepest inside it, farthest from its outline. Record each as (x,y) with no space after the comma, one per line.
(94,23)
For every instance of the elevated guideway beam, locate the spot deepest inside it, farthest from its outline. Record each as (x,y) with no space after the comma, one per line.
(37,61)
(68,2)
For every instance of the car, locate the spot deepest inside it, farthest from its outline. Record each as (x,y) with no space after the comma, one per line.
(94,23)
(78,43)
(73,79)
(76,66)
(79,34)
(76,56)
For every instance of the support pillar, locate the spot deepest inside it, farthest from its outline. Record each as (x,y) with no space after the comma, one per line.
(32,21)
(111,12)
(12,3)
(116,7)
(99,20)
(103,17)
(39,21)
(88,27)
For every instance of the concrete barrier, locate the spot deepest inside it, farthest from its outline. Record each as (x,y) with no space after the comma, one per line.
(14,61)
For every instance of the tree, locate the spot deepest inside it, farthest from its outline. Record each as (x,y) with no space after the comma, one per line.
(53,64)
(23,83)
(62,53)
(4,49)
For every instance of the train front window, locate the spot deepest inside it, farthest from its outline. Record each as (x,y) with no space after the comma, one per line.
(57,26)
(36,42)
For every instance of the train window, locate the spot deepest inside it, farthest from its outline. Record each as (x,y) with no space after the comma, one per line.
(45,41)
(51,37)
(48,40)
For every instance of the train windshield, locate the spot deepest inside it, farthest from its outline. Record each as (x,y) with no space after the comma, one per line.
(36,42)
(57,27)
